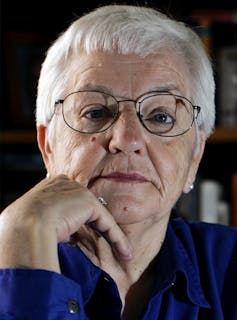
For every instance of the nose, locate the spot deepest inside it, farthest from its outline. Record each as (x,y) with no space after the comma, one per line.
(127,133)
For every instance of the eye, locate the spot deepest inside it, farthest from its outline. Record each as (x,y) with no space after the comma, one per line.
(160,117)
(97,112)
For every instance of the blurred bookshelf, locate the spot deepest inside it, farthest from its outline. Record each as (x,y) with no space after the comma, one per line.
(223,135)
(21,162)
(234,199)
(18,136)
(220,135)
(217,174)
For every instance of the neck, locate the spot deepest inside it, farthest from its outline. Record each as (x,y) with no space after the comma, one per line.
(146,240)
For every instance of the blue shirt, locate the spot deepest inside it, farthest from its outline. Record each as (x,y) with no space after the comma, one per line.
(196,278)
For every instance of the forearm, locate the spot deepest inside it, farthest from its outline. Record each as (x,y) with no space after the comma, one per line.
(39,295)
(27,246)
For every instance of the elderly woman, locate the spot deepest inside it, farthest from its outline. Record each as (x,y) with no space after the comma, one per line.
(125,104)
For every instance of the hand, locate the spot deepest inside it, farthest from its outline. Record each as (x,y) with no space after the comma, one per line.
(52,211)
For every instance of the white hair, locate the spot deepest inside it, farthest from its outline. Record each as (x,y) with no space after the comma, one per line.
(126,30)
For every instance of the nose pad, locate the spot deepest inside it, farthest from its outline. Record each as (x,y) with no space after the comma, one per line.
(127,133)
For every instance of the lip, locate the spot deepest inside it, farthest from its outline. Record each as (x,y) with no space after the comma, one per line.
(125,177)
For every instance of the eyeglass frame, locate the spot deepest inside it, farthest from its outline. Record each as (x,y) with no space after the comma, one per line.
(137,103)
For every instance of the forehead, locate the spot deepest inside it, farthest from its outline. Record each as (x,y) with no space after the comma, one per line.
(130,75)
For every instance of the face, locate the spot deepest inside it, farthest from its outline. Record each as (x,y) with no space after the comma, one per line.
(139,174)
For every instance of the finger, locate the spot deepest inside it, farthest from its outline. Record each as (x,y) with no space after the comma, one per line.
(92,211)
(110,230)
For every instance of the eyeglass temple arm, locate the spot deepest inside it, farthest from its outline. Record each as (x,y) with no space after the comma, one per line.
(59,101)
(197,108)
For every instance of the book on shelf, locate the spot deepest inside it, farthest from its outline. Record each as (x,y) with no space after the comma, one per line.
(205,203)
(212,207)
(218,31)
(216,28)
(227,86)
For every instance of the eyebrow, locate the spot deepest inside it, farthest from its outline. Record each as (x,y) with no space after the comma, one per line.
(167,87)
(96,87)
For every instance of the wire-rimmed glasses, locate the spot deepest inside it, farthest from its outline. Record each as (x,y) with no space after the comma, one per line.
(161,113)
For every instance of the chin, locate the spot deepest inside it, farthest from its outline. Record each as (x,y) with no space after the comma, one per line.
(127,210)
(129,204)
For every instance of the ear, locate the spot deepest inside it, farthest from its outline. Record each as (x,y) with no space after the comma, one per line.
(44,145)
(197,156)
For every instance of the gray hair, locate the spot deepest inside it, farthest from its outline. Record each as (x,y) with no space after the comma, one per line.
(126,30)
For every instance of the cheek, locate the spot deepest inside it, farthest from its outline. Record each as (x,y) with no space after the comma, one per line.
(82,164)
(80,158)
(172,161)
(62,151)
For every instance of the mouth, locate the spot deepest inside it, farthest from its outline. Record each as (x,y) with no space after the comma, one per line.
(122,177)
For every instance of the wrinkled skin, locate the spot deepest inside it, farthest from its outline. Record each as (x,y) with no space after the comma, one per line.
(140,175)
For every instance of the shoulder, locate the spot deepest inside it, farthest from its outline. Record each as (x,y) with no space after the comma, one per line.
(214,248)
(214,236)
(205,233)
(213,244)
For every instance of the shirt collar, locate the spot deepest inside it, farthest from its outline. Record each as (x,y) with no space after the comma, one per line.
(177,262)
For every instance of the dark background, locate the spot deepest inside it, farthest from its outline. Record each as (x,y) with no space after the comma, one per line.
(32,26)
(40,22)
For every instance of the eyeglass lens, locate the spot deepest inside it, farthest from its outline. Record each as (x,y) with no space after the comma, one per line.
(161,113)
